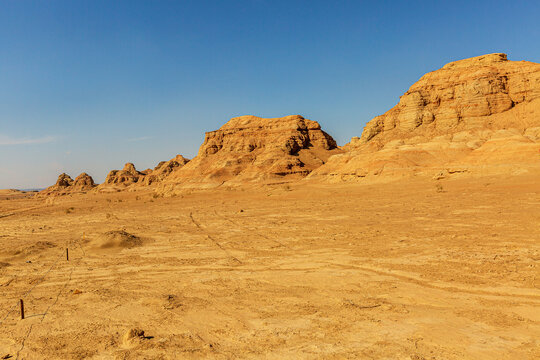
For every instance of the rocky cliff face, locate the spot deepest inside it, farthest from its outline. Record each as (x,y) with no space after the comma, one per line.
(460,96)
(478,115)
(251,148)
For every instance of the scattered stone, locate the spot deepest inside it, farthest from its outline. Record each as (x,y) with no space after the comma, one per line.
(134,335)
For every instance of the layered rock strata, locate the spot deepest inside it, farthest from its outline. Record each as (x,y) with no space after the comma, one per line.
(478,115)
(250,148)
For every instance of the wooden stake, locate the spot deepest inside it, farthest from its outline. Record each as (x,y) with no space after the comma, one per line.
(67,254)
(22,309)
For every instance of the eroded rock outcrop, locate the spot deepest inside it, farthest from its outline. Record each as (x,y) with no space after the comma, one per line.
(163,169)
(250,148)
(478,115)
(66,185)
(84,181)
(130,177)
(127,176)
(462,95)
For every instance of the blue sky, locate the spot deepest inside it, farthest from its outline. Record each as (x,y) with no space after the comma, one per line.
(91,85)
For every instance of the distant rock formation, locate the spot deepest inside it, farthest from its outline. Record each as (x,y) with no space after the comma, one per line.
(127,176)
(84,181)
(478,115)
(66,185)
(130,177)
(163,169)
(249,148)
(63,181)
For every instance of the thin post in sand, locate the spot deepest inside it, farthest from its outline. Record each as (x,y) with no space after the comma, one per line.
(22,308)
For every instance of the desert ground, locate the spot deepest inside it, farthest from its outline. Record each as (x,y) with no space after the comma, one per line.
(415,269)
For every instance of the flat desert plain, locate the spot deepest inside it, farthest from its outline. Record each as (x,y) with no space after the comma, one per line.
(416,269)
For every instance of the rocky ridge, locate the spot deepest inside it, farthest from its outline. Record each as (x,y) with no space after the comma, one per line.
(130,177)
(477,116)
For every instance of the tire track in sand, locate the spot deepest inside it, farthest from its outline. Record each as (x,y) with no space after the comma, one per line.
(427,284)
(198,225)
(279,243)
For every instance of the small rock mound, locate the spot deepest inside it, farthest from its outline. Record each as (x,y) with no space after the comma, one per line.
(64,180)
(116,239)
(134,338)
(133,334)
(84,181)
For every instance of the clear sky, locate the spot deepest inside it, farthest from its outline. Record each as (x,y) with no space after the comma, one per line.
(91,85)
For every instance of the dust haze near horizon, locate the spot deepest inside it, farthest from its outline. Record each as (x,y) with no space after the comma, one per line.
(91,86)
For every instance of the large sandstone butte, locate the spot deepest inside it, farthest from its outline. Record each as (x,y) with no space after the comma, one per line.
(66,185)
(479,116)
(250,148)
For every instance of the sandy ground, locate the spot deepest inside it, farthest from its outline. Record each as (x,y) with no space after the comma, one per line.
(397,271)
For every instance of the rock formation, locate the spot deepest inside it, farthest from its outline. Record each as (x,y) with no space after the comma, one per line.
(116,180)
(163,169)
(66,185)
(130,177)
(478,115)
(251,148)
(127,176)
(84,181)
(64,181)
